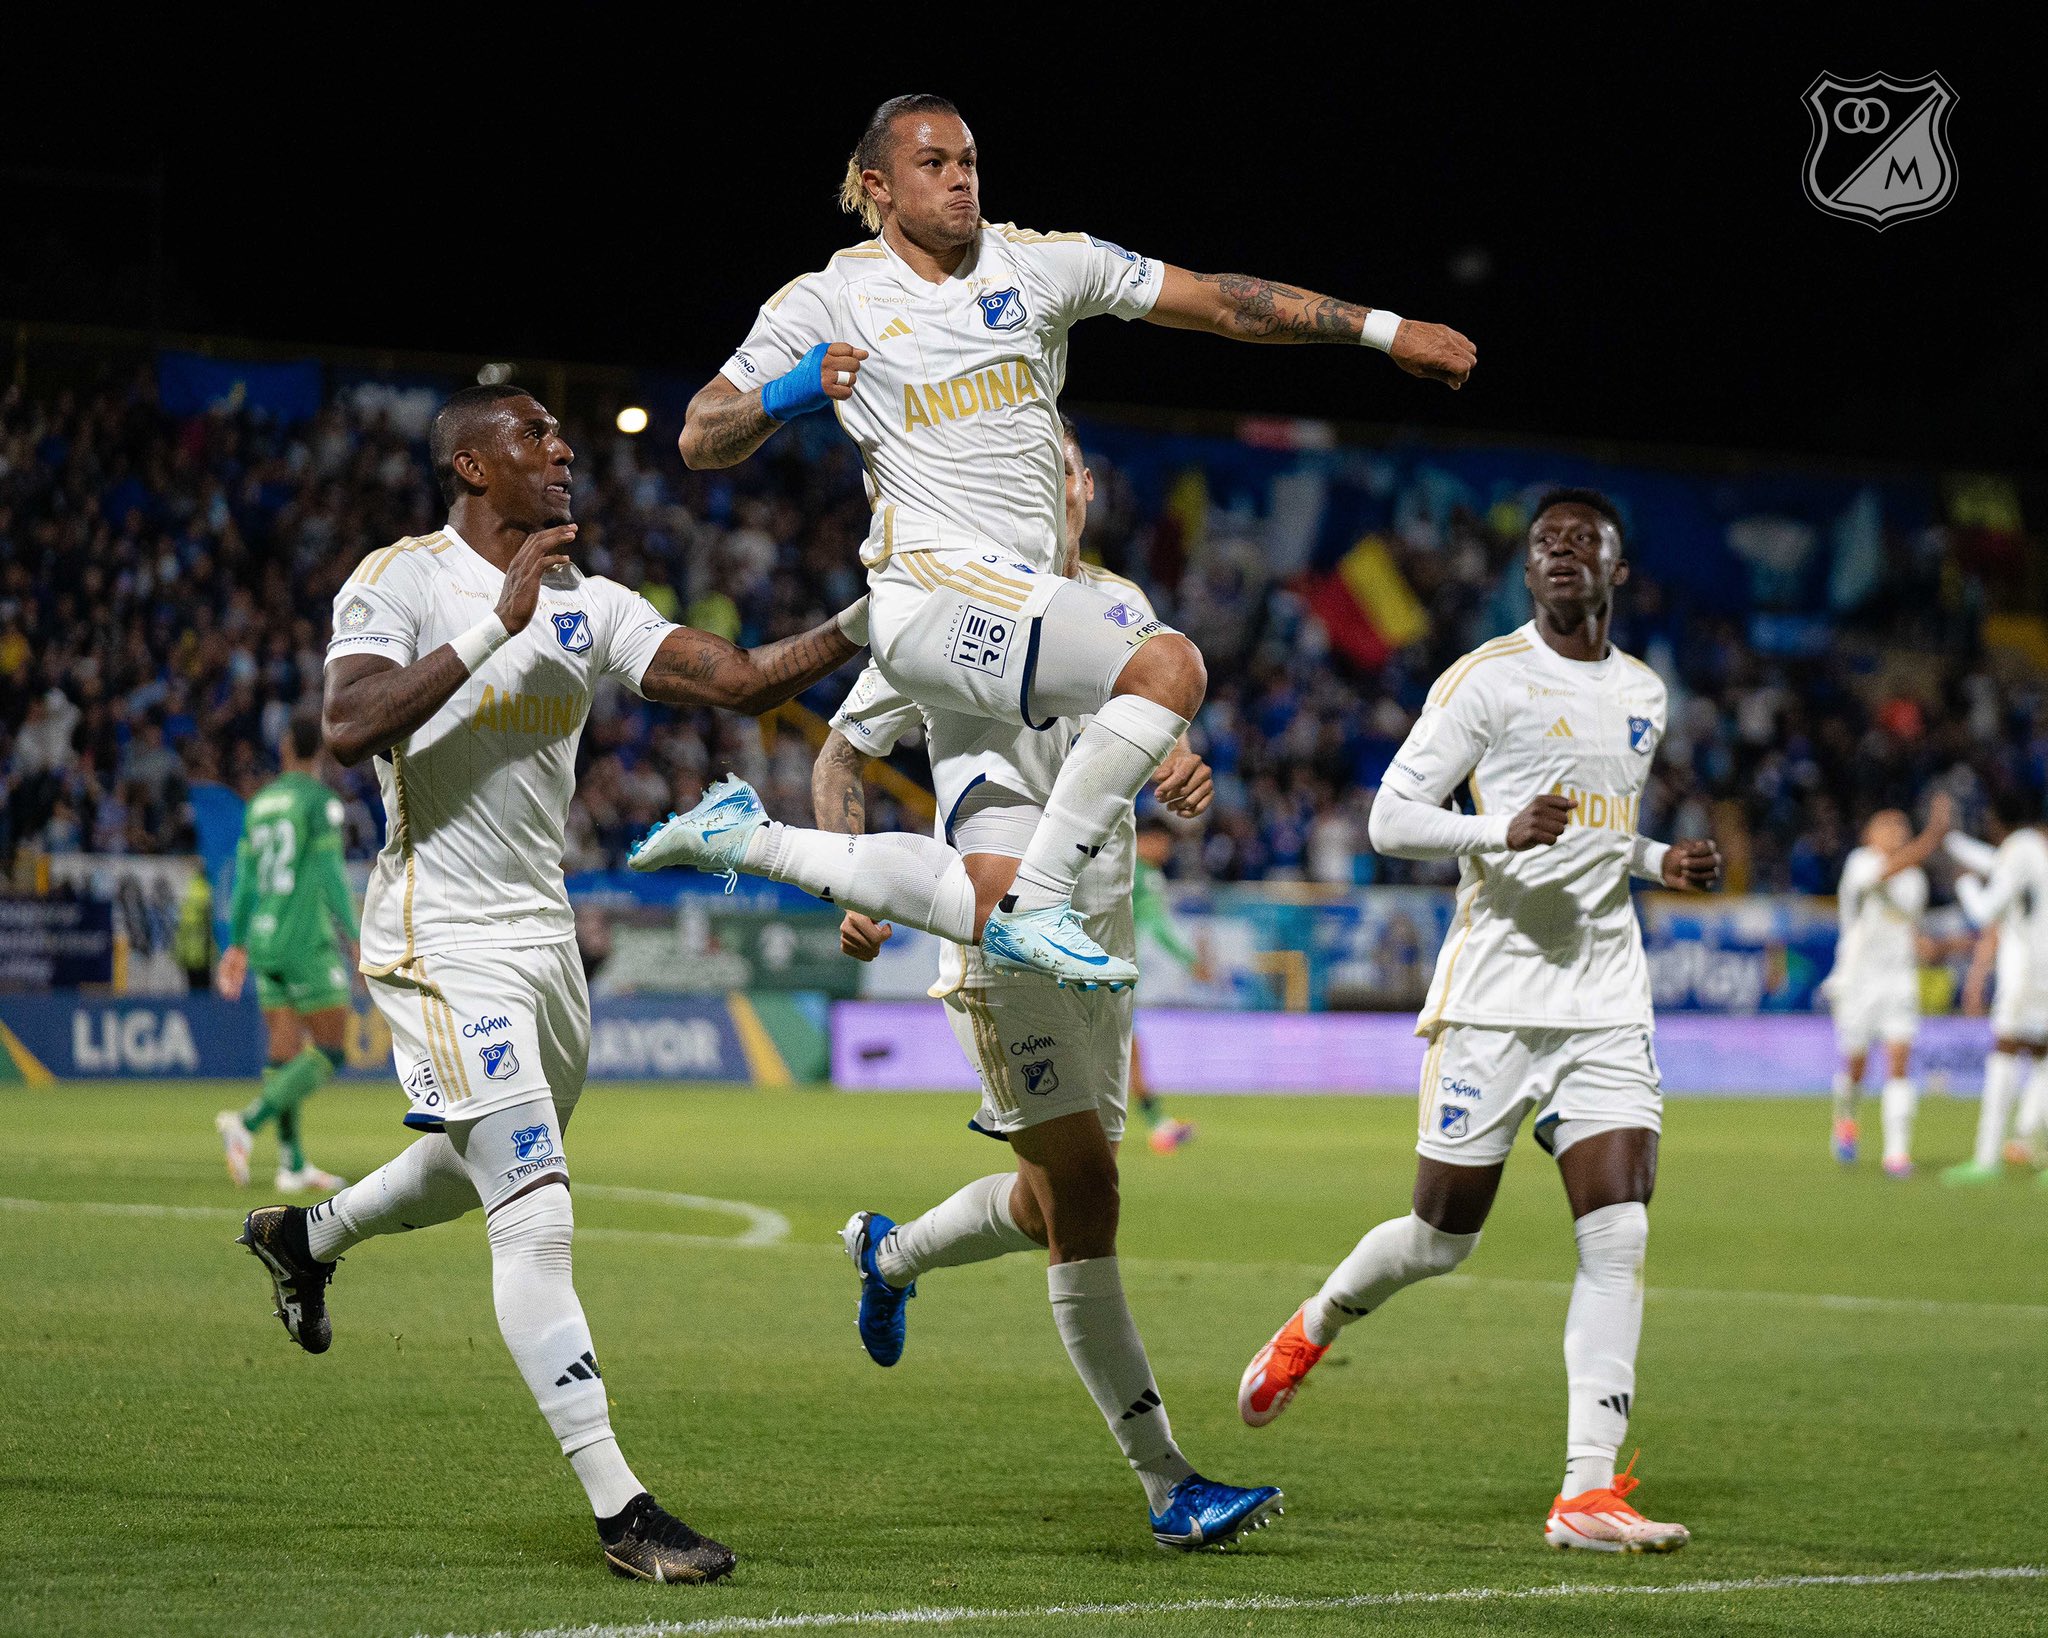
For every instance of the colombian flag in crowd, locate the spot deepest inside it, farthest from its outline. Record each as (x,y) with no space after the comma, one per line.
(1366,604)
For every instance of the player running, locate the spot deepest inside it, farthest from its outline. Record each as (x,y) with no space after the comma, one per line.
(464,662)
(2010,904)
(1541,999)
(1874,990)
(1054,1064)
(291,890)
(941,343)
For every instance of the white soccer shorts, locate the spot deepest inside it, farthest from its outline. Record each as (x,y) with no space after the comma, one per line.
(1479,1084)
(1868,1013)
(1043,1052)
(478,1029)
(2019,1012)
(973,629)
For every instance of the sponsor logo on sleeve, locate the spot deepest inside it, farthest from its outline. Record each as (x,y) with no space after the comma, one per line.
(355,614)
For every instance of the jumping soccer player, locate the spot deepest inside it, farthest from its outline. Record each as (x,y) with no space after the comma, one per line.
(1541,999)
(1874,990)
(464,661)
(942,345)
(2010,904)
(290,892)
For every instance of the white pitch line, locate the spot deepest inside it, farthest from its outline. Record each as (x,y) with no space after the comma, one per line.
(115,1208)
(1256,1604)
(764,1227)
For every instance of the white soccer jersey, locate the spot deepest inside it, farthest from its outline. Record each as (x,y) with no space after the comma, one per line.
(2016,898)
(1546,938)
(954,409)
(1880,922)
(475,801)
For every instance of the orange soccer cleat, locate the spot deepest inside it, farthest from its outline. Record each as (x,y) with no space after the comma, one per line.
(1603,1521)
(1275,1373)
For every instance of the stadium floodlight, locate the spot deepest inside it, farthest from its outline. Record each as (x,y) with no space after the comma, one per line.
(632,419)
(490,375)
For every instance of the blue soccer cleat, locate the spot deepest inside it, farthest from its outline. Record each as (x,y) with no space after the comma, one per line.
(1052,941)
(881,1304)
(712,836)
(1201,1513)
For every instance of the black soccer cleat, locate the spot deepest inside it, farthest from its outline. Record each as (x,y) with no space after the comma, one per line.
(276,1235)
(644,1543)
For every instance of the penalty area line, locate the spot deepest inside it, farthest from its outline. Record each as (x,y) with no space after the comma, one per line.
(1261,1604)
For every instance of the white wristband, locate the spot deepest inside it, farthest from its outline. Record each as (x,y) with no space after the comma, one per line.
(480,642)
(853,622)
(1380,329)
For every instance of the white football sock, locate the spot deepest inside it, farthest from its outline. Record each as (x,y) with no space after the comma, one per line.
(1899,1100)
(543,1325)
(1845,1096)
(1397,1253)
(425,1184)
(891,876)
(2001,1075)
(968,1227)
(1601,1330)
(2033,1116)
(1117,752)
(1102,1340)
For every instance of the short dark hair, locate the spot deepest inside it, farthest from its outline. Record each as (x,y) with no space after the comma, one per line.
(1071,433)
(305,734)
(455,426)
(871,153)
(1566,495)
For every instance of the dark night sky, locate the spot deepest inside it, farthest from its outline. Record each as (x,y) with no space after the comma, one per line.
(1653,271)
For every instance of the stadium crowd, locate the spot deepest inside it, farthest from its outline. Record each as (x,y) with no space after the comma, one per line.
(165,586)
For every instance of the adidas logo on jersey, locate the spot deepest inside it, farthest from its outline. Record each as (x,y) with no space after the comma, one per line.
(896,328)
(1560,729)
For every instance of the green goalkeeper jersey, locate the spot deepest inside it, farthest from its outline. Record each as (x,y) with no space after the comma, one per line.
(1149,911)
(290,885)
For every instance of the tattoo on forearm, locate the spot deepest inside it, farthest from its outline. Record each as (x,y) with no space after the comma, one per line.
(838,788)
(697,668)
(1260,310)
(731,429)
(371,707)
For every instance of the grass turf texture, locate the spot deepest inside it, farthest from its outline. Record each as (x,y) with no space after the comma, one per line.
(171,1464)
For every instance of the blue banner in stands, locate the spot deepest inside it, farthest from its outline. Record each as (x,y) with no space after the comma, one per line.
(193,384)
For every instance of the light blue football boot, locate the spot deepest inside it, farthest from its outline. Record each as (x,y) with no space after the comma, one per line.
(1052,941)
(1202,1513)
(712,836)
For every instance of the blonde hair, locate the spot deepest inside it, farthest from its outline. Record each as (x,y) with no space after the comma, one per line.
(872,152)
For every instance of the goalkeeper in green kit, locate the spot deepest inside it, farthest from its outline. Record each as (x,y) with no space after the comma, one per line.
(290,891)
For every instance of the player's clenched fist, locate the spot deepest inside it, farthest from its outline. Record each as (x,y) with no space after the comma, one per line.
(839,369)
(1540,823)
(1692,867)
(1435,352)
(861,938)
(542,551)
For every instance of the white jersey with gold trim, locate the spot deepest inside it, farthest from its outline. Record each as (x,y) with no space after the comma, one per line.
(1880,924)
(954,409)
(476,800)
(1546,938)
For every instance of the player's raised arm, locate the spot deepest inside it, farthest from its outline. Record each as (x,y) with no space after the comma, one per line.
(1941,812)
(700,668)
(724,424)
(1243,308)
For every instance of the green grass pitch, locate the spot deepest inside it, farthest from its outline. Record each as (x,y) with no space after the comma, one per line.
(1840,1376)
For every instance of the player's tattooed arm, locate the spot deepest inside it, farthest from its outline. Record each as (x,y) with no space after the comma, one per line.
(699,668)
(1242,307)
(723,426)
(839,787)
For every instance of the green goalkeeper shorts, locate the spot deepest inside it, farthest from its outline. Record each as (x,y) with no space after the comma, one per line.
(311,980)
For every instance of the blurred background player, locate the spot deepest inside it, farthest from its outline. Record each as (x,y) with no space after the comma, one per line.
(1874,990)
(291,893)
(464,662)
(1541,999)
(941,343)
(2006,895)
(1054,1064)
(1153,919)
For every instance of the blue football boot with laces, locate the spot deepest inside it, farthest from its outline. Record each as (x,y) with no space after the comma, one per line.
(1201,1513)
(881,1304)
(1052,941)
(712,836)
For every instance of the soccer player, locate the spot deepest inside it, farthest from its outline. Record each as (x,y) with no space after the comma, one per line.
(2010,904)
(1874,990)
(941,343)
(1149,911)
(1541,998)
(291,891)
(463,661)
(1054,1066)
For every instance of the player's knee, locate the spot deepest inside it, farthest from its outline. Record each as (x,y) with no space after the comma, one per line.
(534,1229)
(1431,1251)
(1614,1241)
(1168,670)
(1082,1216)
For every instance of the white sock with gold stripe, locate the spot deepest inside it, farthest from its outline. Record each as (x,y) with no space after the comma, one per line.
(893,876)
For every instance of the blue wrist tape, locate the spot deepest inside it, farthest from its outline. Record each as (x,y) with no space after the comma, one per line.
(800,391)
